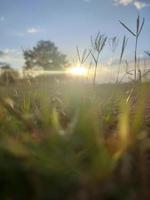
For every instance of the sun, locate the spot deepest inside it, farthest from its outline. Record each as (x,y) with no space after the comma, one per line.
(78,71)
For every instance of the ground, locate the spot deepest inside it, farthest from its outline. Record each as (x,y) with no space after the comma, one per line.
(85,142)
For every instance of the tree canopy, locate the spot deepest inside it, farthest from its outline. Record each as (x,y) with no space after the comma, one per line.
(46,55)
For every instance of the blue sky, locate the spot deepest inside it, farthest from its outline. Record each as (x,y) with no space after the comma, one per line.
(66,22)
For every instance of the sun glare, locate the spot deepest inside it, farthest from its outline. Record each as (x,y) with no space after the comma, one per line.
(78,71)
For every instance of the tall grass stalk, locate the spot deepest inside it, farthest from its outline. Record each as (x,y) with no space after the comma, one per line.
(124,44)
(113,44)
(136,34)
(83,57)
(98,43)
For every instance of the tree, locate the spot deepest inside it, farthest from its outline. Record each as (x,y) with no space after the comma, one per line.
(8,75)
(46,55)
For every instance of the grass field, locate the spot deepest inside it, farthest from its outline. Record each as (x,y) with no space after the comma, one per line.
(72,141)
(74,100)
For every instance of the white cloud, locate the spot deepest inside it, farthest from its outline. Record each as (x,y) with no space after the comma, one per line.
(139,4)
(123,2)
(33,30)
(28,31)
(14,57)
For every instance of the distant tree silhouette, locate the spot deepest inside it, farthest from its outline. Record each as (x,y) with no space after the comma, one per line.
(46,55)
(8,75)
(5,66)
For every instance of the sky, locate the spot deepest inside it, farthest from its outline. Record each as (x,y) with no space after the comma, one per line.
(67,23)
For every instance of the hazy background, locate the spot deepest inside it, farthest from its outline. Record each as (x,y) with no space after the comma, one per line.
(68,23)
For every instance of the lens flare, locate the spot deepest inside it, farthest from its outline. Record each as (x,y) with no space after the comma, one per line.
(78,71)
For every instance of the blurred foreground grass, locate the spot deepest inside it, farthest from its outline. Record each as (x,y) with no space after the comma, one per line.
(71,141)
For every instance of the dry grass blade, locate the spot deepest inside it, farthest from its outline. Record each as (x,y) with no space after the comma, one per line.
(78,53)
(85,56)
(143,22)
(103,43)
(92,43)
(82,57)
(124,44)
(127,69)
(129,72)
(137,24)
(127,28)
(93,56)
(147,52)
(113,43)
(99,42)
